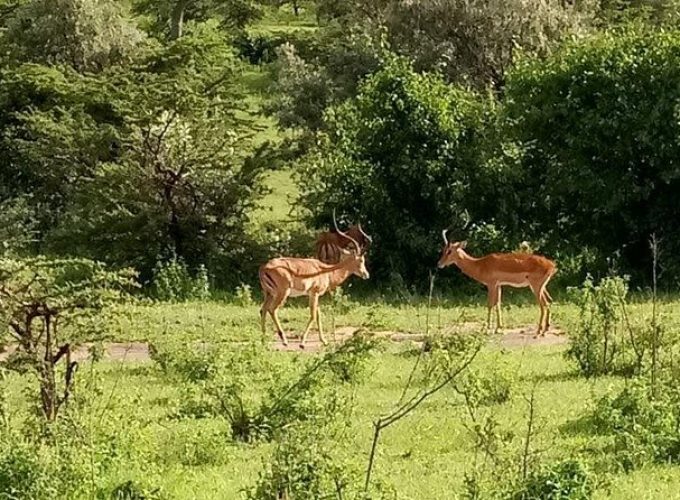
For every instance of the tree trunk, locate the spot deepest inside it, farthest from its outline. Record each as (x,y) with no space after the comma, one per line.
(177,19)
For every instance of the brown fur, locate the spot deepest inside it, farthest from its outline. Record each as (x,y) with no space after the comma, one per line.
(281,277)
(329,243)
(498,269)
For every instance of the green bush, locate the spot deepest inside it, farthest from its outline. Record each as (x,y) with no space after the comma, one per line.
(599,115)
(258,397)
(172,281)
(568,480)
(484,390)
(643,423)
(406,158)
(600,341)
(22,473)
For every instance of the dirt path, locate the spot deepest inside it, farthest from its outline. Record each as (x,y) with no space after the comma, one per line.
(511,338)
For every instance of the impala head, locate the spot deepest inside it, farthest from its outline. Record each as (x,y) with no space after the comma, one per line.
(452,252)
(354,258)
(355,262)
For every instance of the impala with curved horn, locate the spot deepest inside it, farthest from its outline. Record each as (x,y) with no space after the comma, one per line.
(329,244)
(285,277)
(497,269)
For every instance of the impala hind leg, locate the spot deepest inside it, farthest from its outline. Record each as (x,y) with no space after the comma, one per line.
(274,305)
(263,312)
(542,303)
(499,315)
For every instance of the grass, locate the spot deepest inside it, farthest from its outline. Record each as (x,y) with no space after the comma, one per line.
(424,456)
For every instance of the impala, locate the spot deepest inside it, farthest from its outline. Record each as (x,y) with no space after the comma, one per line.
(497,269)
(329,244)
(285,277)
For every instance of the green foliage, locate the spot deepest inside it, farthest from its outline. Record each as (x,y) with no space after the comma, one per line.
(643,423)
(50,306)
(253,393)
(130,490)
(601,341)
(568,480)
(406,157)
(22,475)
(88,35)
(599,114)
(244,295)
(172,281)
(306,465)
(494,388)
(17,226)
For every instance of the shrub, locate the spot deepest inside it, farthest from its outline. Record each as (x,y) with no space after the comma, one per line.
(257,397)
(244,295)
(568,480)
(22,473)
(303,466)
(598,341)
(186,362)
(595,116)
(407,157)
(495,388)
(172,281)
(642,422)
(131,490)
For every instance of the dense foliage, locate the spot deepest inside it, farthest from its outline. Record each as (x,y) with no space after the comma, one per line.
(597,125)
(406,157)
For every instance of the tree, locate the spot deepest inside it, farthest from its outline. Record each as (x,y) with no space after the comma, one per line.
(169,17)
(48,307)
(406,158)
(88,35)
(598,130)
(187,176)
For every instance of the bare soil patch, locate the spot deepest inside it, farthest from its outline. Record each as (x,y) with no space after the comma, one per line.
(510,338)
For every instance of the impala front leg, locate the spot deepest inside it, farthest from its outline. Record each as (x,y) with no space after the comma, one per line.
(493,296)
(313,309)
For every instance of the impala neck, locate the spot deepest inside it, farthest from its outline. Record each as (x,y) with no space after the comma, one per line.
(338,276)
(469,265)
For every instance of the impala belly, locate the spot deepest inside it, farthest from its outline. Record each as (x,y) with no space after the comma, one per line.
(302,287)
(516,281)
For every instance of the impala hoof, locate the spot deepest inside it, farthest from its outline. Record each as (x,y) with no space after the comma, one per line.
(302,346)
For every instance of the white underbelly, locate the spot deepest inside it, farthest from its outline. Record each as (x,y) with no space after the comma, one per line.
(514,284)
(298,293)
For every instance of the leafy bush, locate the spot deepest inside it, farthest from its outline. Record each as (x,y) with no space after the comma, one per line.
(599,115)
(244,295)
(130,490)
(598,341)
(258,397)
(495,388)
(643,423)
(568,480)
(304,466)
(22,473)
(172,281)
(407,157)
(187,362)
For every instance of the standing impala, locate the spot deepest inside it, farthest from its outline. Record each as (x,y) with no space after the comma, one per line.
(497,269)
(329,244)
(295,277)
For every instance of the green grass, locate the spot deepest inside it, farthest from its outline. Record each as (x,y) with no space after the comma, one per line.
(424,456)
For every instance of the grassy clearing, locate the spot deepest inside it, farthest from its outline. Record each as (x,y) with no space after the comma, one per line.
(424,456)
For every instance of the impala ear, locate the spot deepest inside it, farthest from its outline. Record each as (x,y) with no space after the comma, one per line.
(463,244)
